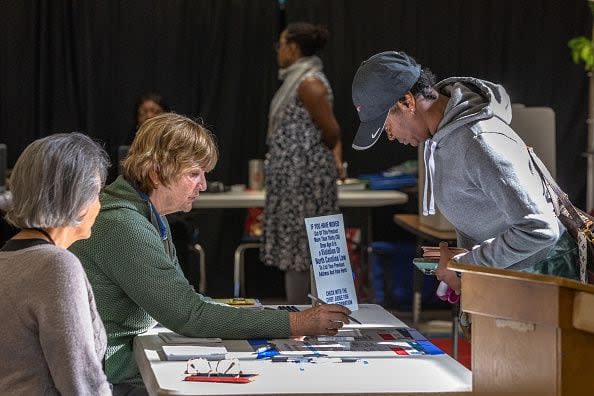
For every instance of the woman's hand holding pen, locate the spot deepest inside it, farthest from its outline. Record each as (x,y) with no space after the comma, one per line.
(321,320)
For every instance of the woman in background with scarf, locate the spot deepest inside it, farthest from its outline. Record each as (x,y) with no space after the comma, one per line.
(304,157)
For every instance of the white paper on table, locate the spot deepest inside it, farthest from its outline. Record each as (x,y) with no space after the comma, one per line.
(330,260)
(186,352)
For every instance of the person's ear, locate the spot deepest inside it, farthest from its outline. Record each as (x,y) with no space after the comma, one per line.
(408,104)
(411,101)
(154,177)
(294,49)
(83,213)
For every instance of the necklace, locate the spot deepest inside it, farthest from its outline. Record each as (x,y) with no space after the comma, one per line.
(44,232)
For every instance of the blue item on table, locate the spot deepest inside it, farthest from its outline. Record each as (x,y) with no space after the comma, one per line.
(377,181)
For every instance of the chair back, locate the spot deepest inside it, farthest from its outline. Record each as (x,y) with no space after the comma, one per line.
(122,153)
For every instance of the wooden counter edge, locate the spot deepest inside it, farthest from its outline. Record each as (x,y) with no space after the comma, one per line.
(510,274)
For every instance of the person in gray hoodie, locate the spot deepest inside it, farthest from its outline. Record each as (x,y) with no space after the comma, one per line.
(478,170)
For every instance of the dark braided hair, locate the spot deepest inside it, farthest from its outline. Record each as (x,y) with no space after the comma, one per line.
(424,85)
(310,38)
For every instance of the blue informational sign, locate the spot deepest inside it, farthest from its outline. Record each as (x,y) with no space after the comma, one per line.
(330,261)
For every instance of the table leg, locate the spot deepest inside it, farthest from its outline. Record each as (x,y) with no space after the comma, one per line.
(455,329)
(365,276)
(417,294)
(366,264)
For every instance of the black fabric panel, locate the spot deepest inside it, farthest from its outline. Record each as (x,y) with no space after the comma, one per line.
(80,65)
(70,65)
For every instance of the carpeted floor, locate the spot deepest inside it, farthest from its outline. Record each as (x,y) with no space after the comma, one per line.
(445,344)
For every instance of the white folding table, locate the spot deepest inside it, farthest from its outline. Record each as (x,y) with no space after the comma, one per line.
(400,375)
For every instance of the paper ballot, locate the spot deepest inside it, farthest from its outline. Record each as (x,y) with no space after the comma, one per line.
(330,260)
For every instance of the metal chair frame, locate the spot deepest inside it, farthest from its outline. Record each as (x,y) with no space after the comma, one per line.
(238,267)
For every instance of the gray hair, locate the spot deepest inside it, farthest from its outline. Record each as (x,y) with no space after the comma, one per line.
(55,179)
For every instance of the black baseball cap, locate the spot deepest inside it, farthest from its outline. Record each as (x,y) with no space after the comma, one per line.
(379,82)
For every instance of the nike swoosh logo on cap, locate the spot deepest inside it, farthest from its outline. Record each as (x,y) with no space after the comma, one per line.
(374,134)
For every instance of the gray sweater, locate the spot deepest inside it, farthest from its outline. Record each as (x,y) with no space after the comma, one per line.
(52,339)
(483,182)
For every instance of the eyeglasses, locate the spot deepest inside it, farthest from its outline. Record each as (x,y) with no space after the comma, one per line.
(225,367)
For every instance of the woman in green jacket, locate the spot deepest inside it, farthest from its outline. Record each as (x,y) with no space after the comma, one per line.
(131,262)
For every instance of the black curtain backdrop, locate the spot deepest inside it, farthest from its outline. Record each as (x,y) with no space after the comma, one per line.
(79,65)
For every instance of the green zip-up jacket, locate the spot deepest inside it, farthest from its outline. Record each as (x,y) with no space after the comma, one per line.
(138,282)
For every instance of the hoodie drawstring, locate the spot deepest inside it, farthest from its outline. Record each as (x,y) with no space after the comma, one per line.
(429,207)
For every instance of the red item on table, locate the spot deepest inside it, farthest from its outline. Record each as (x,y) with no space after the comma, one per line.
(214,378)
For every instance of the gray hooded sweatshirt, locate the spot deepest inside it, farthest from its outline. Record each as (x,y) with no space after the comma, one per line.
(480,176)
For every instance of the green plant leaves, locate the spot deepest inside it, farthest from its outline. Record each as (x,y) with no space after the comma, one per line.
(582,50)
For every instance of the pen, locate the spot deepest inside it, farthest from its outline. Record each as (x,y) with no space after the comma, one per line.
(320,301)
(310,359)
(266,351)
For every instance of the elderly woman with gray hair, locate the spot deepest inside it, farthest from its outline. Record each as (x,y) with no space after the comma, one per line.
(53,340)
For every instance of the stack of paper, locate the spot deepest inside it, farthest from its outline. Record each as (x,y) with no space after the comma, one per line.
(433,252)
(351,184)
(186,352)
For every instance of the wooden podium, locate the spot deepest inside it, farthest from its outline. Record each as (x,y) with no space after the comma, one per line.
(531,334)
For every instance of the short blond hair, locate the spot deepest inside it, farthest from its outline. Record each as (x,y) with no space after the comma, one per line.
(168,144)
